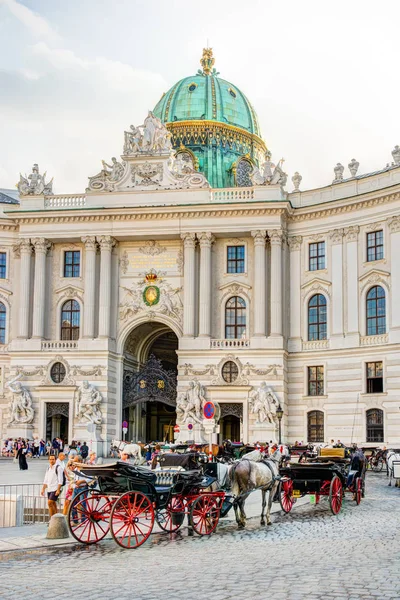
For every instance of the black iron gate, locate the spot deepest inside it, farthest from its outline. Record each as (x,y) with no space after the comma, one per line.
(152,384)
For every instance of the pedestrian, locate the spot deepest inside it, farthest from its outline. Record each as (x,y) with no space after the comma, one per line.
(92,458)
(42,448)
(80,485)
(84,451)
(55,447)
(70,479)
(21,455)
(125,457)
(60,460)
(53,481)
(48,448)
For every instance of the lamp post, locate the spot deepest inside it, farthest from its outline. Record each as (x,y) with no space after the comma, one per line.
(279,414)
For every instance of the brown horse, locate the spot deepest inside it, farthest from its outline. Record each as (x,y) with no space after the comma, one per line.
(251,473)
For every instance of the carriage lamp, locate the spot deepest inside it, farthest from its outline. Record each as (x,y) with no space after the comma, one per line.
(279,414)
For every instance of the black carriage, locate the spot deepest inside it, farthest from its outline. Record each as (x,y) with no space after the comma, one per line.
(126,500)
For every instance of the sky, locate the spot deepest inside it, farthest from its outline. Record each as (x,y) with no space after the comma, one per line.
(322,76)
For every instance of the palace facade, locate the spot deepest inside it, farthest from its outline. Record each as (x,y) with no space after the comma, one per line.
(188,260)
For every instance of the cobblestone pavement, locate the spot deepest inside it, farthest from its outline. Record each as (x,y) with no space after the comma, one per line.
(309,553)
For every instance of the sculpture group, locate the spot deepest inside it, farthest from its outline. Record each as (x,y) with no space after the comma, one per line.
(150,138)
(21,410)
(269,174)
(34,184)
(88,404)
(263,404)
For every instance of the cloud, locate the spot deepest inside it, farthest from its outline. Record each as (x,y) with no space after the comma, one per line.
(37,25)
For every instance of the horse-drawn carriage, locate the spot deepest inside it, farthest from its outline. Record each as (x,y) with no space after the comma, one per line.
(329,475)
(126,500)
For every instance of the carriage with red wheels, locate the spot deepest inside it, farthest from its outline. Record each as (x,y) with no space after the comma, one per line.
(126,500)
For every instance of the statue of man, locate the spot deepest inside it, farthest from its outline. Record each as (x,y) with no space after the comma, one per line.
(36,181)
(194,398)
(88,405)
(132,140)
(116,169)
(261,404)
(151,124)
(21,402)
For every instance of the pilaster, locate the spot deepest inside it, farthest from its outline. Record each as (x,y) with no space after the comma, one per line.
(41,246)
(276,238)
(336,237)
(295,243)
(25,250)
(91,247)
(106,245)
(206,239)
(259,283)
(189,247)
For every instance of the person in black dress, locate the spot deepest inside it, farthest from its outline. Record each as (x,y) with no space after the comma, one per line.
(21,455)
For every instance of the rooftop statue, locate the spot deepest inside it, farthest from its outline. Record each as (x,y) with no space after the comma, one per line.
(34,184)
(269,174)
(150,138)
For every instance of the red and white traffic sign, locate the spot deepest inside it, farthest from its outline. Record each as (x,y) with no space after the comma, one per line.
(125,424)
(177,428)
(209,410)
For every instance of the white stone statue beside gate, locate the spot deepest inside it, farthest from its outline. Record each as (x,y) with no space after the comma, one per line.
(189,411)
(88,404)
(263,404)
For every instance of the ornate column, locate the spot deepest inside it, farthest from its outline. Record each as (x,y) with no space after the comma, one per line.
(351,234)
(295,288)
(189,244)
(276,237)
(336,237)
(394,227)
(106,245)
(90,283)
(41,246)
(259,282)
(25,250)
(206,240)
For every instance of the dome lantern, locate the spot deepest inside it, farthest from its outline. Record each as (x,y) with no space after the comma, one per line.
(207,61)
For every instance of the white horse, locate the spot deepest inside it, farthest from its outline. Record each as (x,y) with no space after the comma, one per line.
(392,456)
(132,449)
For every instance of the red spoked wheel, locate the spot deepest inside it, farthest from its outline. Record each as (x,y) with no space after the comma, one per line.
(89,516)
(286,499)
(172,516)
(204,514)
(335,495)
(358,492)
(132,519)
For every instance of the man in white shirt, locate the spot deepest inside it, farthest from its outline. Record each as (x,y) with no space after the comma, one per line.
(53,481)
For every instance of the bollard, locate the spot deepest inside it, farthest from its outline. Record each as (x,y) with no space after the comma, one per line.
(58,528)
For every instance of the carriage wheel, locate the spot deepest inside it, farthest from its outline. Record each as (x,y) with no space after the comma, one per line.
(335,495)
(358,490)
(377,465)
(204,514)
(286,495)
(132,519)
(89,516)
(172,516)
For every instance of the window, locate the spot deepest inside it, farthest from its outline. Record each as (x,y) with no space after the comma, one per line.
(244,169)
(235,259)
(235,318)
(375,425)
(317,318)
(3,314)
(192,87)
(376,311)
(230,371)
(375,245)
(374,377)
(315,426)
(232,93)
(70,319)
(72,263)
(3,265)
(315,381)
(57,372)
(316,260)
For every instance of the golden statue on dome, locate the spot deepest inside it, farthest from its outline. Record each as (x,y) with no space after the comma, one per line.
(207,61)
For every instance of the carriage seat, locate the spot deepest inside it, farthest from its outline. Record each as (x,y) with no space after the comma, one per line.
(188,476)
(333,452)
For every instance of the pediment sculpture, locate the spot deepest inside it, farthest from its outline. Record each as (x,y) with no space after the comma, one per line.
(269,173)
(34,184)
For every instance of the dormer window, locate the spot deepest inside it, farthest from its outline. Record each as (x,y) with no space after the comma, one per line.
(192,87)
(232,92)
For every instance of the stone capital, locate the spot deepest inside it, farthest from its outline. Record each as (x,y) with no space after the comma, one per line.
(276,237)
(41,245)
(90,242)
(206,239)
(394,224)
(189,239)
(107,243)
(23,247)
(259,237)
(337,236)
(351,233)
(295,242)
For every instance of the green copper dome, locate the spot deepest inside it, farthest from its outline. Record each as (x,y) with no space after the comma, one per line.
(215,121)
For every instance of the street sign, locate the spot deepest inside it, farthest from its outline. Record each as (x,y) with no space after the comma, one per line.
(124,430)
(190,426)
(177,429)
(124,424)
(209,410)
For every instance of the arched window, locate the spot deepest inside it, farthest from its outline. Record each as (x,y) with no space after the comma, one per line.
(243,171)
(315,426)
(376,311)
(375,425)
(235,318)
(3,315)
(70,320)
(317,318)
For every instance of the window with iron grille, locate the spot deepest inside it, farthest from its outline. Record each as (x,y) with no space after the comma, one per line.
(72,263)
(315,426)
(317,318)
(374,377)
(316,381)
(375,431)
(3,316)
(230,371)
(70,320)
(374,245)
(57,372)
(316,260)
(3,265)
(376,311)
(235,259)
(235,318)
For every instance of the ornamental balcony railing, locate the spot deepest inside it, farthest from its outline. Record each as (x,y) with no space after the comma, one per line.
(374,340)
(66,201)
(233,194)
(230,343)
(59,345)
(316,345)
